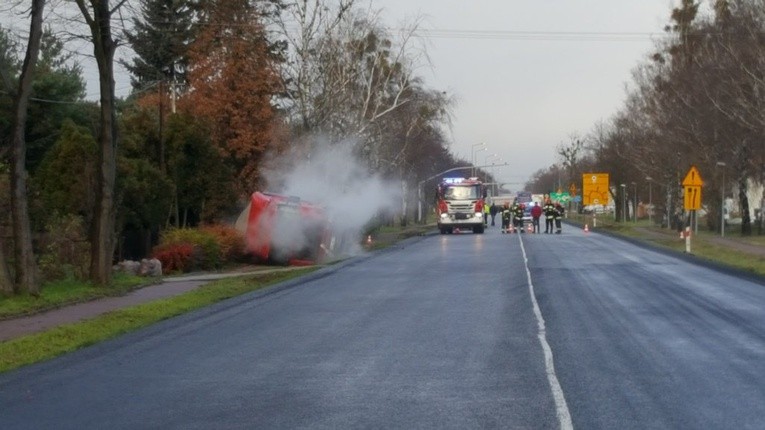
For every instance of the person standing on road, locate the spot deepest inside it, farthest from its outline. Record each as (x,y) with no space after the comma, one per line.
(514,210)
(536,212)
(493,212)
(506,215)
(549,211)
(486,211)
(559,211)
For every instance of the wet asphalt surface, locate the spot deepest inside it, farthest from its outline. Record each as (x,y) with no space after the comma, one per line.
(439,332)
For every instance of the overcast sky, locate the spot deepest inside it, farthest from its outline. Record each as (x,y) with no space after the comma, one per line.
(532,73)
(524,94)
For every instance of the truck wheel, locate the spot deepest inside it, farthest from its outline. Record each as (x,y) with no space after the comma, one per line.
(478,230)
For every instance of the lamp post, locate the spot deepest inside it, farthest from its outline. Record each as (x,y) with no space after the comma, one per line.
(486,163)
(499,162)
(650,200)
(624,202)
(472,154)
(722,199)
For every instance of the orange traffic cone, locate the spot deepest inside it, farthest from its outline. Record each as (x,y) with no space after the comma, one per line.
(528,228)
(586,229)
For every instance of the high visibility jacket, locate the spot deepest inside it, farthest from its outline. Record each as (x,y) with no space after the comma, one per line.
(506,214)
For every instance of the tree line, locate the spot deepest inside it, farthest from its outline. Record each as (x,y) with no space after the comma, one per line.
(698,100)
(219,87)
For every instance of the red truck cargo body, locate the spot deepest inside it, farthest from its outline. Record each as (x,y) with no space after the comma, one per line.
(283,229)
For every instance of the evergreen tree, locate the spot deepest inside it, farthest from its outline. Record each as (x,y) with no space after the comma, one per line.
(9,68)
(58,94)
(160,39)
(66,176)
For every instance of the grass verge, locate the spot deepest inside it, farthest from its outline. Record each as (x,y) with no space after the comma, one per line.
(44,346)
(385,236)
(703,247)
(67,292)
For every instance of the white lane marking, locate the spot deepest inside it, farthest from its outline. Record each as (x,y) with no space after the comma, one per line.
(561,408)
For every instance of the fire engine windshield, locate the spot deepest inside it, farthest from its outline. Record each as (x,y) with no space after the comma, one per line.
(462,192)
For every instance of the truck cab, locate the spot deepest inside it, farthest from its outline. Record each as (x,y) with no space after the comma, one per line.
(460,205)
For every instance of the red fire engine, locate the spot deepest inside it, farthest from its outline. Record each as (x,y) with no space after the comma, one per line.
(460,204)
(287,230)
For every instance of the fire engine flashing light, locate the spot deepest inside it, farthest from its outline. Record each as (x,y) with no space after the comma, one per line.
(452,181)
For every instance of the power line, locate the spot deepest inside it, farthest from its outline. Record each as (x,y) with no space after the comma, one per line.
(567,36)
(60,102)
(571,36)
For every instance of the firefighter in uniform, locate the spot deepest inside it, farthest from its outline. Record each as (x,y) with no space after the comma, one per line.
(549,211)
(518,216)
(559,211)
(506,215)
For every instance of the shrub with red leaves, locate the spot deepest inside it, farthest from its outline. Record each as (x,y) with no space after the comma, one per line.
(175,257)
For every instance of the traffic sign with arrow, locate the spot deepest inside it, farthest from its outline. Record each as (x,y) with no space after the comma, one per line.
(692,189)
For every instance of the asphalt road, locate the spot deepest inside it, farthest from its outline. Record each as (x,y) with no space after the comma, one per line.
(455,331)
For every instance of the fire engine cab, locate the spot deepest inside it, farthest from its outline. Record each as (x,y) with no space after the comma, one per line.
(460,204)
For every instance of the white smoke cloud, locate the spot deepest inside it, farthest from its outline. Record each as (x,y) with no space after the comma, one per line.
(333,178)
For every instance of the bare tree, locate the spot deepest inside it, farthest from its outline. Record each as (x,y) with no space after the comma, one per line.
(25,265)
(345,71)
(307,27)
(98,15)
(570,154)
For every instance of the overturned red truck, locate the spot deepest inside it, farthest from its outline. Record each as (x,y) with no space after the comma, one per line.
(287,230)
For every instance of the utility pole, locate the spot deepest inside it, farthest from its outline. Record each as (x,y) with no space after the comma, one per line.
(722,199)
(624,202)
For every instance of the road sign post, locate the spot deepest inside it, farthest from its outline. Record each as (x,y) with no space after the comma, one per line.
(691,199)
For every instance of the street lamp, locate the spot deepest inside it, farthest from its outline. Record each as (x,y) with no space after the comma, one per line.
(624,202)
(486,163)
(634,207)
(472,154)
(474,158)
(722,199)
(650,200)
